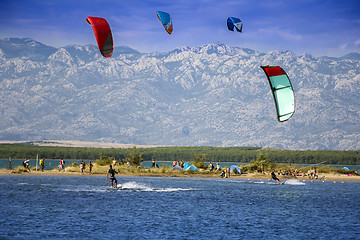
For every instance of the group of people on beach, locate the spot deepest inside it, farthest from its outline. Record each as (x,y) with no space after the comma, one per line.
(26,164)
(225,173)
(311,173)
(176,164)
(83,167)
(212,167)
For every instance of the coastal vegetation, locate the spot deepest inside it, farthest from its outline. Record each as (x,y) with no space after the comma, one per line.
(260,167)
(186,154)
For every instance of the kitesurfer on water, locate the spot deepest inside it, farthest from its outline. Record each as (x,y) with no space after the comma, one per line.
(112,172)
(273,176)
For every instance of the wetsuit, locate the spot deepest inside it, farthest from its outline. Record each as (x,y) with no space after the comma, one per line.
(112,172)
(274,176)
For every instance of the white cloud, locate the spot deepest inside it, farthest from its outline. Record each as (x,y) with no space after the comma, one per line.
(285,34)
(343,46)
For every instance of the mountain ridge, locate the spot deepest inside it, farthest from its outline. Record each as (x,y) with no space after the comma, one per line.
(212,95)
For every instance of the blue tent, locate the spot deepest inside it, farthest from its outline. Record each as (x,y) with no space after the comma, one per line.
(188,166)
(233,167)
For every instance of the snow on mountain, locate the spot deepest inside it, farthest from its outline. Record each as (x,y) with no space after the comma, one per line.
(212,95)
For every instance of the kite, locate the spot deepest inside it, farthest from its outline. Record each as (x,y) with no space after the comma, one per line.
(165,19)
(282,90)
(103,35)
(234,22)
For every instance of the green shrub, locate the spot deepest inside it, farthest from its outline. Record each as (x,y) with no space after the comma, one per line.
(134,158)
(20,169)
(104,160)
(347,172)
(199,161)
(74,164)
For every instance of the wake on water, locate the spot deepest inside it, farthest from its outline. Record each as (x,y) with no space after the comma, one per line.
(127,186)
(140,187)
(287,182)
(134,186)
(294,182)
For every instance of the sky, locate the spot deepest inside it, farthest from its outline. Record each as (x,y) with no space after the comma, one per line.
(317,27)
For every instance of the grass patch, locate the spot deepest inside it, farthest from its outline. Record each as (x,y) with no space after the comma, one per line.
(20,169)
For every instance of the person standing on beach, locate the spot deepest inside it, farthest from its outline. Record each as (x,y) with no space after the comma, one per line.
(42,164)
(112,172)
(273,176)
(61,165)
(82,166)
(211,165)
(90,167)
(218,168)
(26,164)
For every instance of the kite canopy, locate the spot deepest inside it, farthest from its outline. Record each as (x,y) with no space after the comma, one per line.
(282,91)
(233,167)
(165,19)
(188,167)
(234,22)
(103,35)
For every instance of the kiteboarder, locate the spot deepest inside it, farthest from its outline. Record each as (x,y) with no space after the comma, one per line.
(112,172)
(273,176)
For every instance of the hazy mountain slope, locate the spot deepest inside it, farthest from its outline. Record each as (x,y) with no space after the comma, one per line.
(208,95)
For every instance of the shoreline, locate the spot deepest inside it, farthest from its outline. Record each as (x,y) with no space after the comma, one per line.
(328,177)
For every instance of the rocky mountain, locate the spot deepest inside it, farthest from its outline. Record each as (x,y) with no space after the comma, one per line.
(212,95)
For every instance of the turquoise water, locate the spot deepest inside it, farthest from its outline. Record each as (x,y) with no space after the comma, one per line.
(83,207)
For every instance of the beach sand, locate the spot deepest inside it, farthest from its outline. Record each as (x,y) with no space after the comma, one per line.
(328,177)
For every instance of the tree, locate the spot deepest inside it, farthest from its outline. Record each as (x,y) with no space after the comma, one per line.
(104,160)
(199,161)
(262,163)
(134,158)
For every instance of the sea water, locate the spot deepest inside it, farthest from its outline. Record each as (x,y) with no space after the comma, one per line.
(84,207)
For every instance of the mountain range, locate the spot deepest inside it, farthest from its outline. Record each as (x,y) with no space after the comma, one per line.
(210,95)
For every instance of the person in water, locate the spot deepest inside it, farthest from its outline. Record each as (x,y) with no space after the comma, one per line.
(112,172)
(273,176)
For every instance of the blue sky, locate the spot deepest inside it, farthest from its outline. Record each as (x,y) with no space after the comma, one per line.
(317,27)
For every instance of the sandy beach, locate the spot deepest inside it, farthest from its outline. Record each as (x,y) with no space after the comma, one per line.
(62,143)
(149,173)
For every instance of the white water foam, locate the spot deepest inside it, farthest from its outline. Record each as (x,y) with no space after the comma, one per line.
(24,183)
(259,182)
(134,186)
(294,182)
